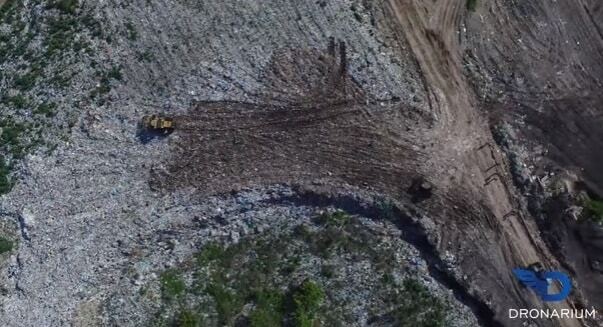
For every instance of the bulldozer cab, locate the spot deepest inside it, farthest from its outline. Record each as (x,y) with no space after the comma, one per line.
(158,124)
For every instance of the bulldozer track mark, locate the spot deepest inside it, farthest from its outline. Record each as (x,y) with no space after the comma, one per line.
(330,141)
(299,123)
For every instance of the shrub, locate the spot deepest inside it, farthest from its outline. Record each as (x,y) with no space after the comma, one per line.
(268,309)
(338,218)
(46,109)
(471,5)
(61,33)
(6,245)
(66,6)
(27,81)
(418,307)
(210,252)
(307,300)
(132,33)
(8,6)
(594,210)
(11,133)
(188,318)
(18,101)
(172,285)
(115,73)
(228,303)
(5,183)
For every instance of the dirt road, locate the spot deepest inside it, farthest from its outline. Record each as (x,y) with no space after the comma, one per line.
(431,33)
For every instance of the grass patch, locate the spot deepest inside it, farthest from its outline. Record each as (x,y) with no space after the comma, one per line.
(188,318)
(46,109)
(8,7)
(146,56)
(5,182)
(594,210)
(18,101)
(115,73)
(210,252)
(12,139)
(418,308)
(11,133)
(132,33)
(66,6)
(228,302)
(104,85)
(61,34)
(60,28)
(338,219)
(6,245)
(27,81)
(269,309)
(172,285)
(307,300)
(471,5)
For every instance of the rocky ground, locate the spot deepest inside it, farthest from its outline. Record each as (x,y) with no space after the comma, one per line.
(286,112)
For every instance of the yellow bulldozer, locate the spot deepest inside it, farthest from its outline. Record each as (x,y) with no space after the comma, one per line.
(158,124)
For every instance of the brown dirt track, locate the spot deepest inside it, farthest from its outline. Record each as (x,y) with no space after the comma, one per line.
(430,31)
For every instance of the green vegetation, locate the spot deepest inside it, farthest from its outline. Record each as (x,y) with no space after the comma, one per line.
(339,233)
(18,101)
(104,86)
(227,302)
(188,318)
(471,5)
(594,210)
(6,245)
(46,109)
(17,139)
(131,30)
(251,284)
(62,27)
(61,31)
(269,309)
(357,15)
(418,308)
(27,81)
(230,282)
(337,219)
(8,7)
(66,6)
(11,139)
(115,73)
(93,25)
(307,300)
(146,56)
(172,285)
(5,182)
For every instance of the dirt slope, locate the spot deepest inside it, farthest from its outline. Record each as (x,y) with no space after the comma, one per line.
(432,37)
(537,69)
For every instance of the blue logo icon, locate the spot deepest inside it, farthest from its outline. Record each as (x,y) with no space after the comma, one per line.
(540,282)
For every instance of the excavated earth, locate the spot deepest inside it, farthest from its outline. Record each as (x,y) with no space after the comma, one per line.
(314,104)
